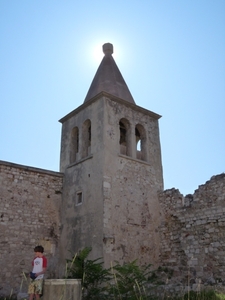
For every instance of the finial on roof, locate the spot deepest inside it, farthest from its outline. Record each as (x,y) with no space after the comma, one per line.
(107,49)
(109,79)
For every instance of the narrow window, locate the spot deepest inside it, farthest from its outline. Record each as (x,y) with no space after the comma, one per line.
(79,198)
(74,144)
(89,136)
(125,139)
(86,138)
(123,143)
(140,142)
(138,139)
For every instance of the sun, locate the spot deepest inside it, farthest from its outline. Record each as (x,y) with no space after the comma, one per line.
(97,53)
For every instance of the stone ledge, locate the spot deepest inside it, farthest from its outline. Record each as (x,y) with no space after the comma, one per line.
(32,169)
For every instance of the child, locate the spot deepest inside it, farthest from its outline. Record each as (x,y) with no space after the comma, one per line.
(39,264)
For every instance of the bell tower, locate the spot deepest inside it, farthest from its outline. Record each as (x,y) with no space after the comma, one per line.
(111,160)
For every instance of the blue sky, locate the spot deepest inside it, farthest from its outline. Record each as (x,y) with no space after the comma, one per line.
(171,54)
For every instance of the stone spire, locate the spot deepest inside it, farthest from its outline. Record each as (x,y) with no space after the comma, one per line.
(109,79)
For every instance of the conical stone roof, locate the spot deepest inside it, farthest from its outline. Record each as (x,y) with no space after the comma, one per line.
(109,79)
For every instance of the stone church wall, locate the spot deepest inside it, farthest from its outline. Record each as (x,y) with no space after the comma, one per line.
(29,215)
(193,233)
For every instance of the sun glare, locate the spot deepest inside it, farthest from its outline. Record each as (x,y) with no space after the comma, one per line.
(97,53)
(94,54)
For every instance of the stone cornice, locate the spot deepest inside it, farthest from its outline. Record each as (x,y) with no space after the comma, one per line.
(113,98)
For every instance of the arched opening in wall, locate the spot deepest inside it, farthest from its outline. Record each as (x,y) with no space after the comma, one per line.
(86,138)
(125,138)
(74,144)
(140,142)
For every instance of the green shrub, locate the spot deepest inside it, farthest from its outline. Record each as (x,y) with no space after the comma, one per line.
(204,295)
(92,274)
(124,282)
(130,281)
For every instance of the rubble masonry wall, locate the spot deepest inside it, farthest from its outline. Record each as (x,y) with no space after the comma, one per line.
(29,215)
(193,233)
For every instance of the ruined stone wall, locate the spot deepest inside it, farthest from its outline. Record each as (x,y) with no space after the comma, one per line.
(193,233)
(29,215)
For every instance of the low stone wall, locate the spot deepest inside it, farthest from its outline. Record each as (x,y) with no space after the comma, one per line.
(193,233)
(58,289)
(29,215)
(62,289)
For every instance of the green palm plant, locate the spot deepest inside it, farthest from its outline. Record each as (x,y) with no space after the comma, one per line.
(130,281)
(93,276)
(123,282)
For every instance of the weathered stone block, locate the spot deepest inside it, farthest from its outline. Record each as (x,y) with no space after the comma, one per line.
(62,289)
